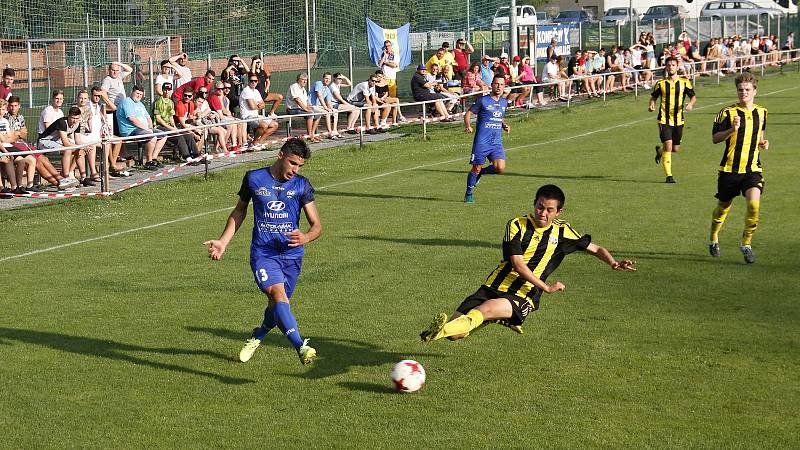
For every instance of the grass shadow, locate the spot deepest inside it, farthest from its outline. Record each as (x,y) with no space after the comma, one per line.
(431,242)
(368,387)
(670,256)
(336,356)
(117,351)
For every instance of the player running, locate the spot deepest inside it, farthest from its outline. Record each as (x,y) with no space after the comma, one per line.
(741,126)
(488,142)
(276,249)
(533,247)
(673,90)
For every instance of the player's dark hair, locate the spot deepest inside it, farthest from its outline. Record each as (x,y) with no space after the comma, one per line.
(13,99)
(9,72)
(670,58)
(296,146)
(164,62)
(551,192)
(499,75)
(74,111)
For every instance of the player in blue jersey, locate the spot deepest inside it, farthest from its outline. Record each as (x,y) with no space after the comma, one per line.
(488,143)
(276,251)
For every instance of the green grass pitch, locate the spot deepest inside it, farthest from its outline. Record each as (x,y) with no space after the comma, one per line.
(128,339)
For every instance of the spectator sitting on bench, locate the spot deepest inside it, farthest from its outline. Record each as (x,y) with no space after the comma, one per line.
(421,88)
(59,134)
(82,136)
(134,120)
(363,95)
(219,102)
(250,103)
(18,135)
(297,102)
(164,115)
(340,104)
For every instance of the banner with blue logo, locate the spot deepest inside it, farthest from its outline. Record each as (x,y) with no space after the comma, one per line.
(399,37)
(545,33)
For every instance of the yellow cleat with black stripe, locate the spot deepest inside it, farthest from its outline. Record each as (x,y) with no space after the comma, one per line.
(434,331)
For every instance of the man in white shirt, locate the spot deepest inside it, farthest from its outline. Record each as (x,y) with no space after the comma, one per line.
(250,103)
(389,63)
(363,95)
(297,102)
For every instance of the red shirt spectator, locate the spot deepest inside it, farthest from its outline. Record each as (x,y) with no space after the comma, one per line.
(196,83)
(184,109)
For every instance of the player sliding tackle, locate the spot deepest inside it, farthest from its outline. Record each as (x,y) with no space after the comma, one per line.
(533,247)
(276,250)
(488,142)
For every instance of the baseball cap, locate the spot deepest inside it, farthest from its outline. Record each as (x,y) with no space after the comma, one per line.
(422,67)
(517,58)
(166,85)
(504,55)
(445,45)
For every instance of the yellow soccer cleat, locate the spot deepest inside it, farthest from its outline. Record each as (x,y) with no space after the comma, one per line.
(306,353)
(249,348)
(435,329)
(514,328)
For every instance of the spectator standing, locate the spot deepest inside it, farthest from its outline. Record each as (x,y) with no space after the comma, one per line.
(204,82)
(183,74)
(389,65)
(461,56)
(235,74)
(165,76)
(260,70)
(5,87)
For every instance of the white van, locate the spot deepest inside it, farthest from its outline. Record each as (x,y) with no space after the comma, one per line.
(526,17)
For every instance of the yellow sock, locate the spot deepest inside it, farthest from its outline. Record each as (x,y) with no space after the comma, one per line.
(463,324)
(750,221)
(666,161)
(717,219)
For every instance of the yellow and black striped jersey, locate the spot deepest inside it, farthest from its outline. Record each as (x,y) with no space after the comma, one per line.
(542,249)
(672,94)
(741,154)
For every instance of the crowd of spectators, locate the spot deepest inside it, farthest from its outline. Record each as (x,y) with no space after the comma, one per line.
(244,91)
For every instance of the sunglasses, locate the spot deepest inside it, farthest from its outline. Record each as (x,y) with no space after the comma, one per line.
(167,88)
(187,95)
(254,81)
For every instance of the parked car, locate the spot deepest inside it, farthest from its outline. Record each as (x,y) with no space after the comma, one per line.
(619,16)
(663,12)
(526,17)
(721,9)
(574,16)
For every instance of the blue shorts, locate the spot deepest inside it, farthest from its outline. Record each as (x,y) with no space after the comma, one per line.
(273,270)
(481,154)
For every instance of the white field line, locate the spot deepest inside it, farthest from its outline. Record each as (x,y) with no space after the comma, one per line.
(359,180)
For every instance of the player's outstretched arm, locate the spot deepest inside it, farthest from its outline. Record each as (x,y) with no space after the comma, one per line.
(297,237)
(518,263)
(216,247)
(604,255)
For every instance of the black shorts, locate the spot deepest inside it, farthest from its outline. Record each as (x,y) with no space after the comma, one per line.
(671,133)
(731,185)
(520,307)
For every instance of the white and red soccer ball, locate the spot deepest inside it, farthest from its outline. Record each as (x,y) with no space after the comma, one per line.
(408,376)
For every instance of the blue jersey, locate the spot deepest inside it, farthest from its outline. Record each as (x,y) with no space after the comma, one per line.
(276,211)
(489,127)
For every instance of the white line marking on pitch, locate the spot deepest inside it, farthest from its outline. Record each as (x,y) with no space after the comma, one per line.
(381,175)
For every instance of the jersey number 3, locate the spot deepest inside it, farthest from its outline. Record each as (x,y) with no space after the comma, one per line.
(263,274)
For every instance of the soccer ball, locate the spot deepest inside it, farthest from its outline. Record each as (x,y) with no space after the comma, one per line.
(408,376)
